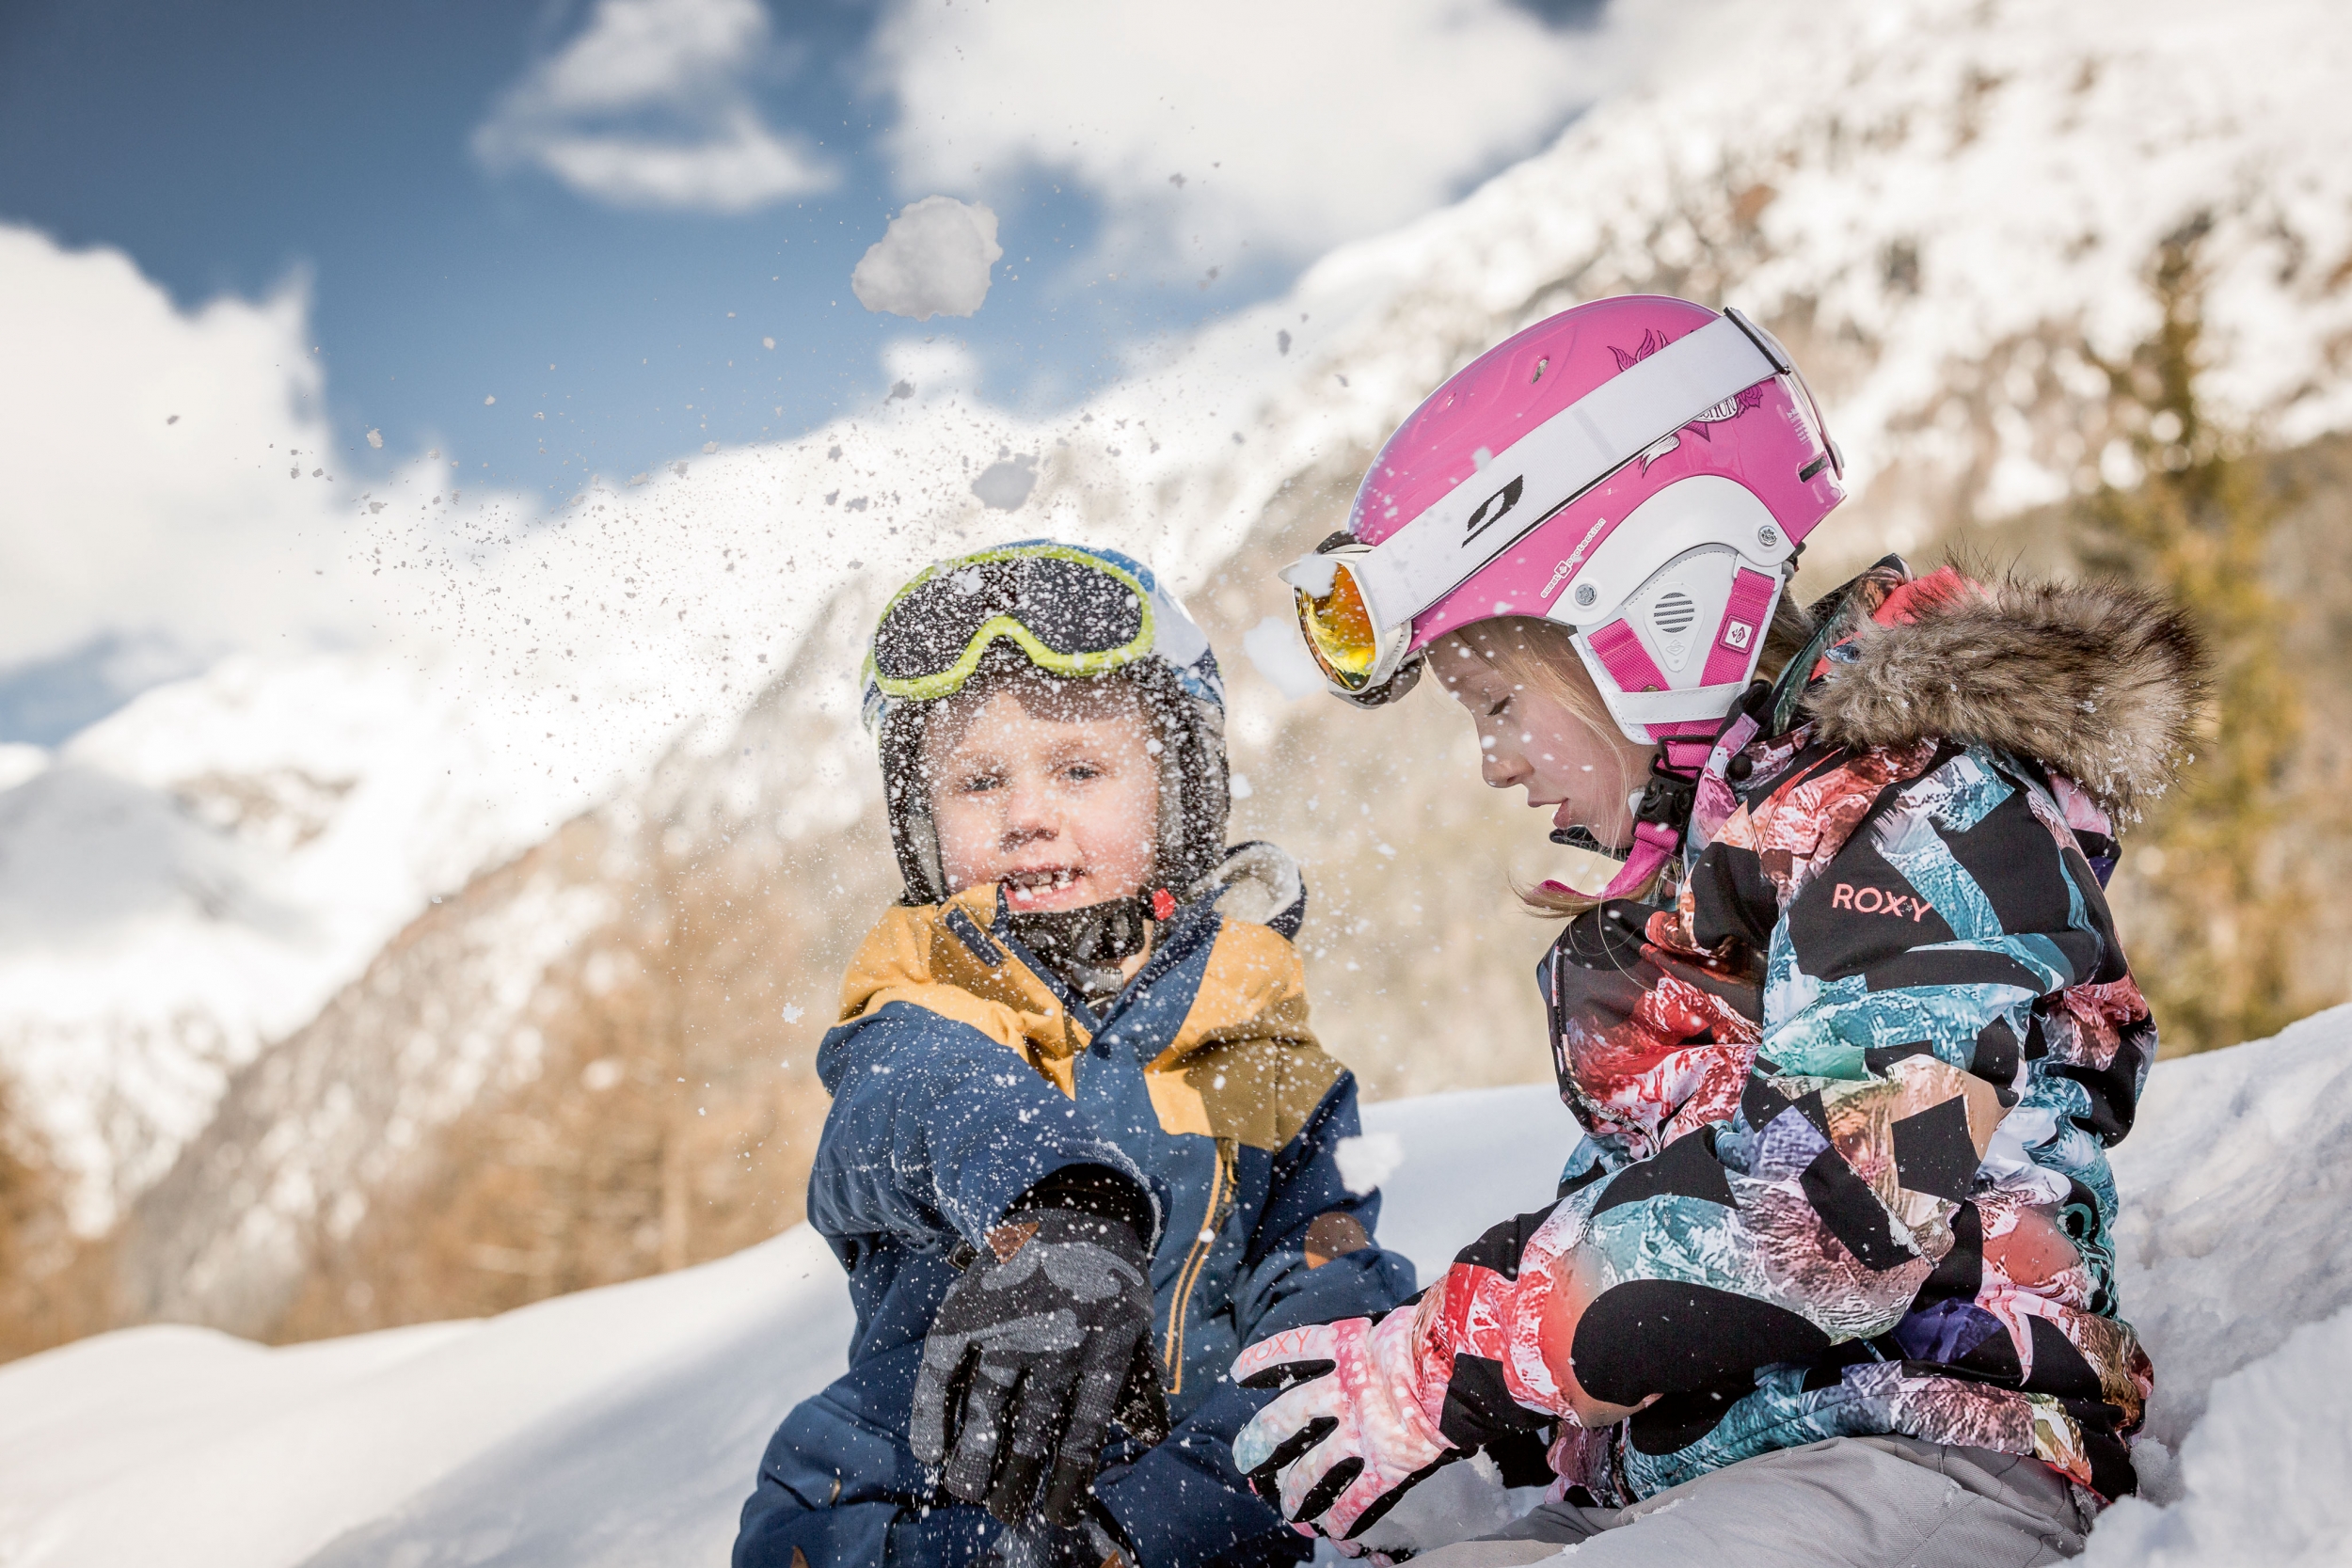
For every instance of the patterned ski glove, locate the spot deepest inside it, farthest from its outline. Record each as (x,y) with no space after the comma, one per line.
(1043,1341)
(1351,1436)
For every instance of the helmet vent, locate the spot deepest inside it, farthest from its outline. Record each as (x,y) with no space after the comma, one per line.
(1673,613)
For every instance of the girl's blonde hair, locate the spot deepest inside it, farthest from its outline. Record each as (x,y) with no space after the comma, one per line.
(1535,654)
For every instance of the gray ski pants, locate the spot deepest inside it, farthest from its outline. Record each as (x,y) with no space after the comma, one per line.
(1850,1502)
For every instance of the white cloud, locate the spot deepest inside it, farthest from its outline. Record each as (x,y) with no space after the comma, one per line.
(161,471)
(648,107)
(932,261)
(1205,125)
(930,368)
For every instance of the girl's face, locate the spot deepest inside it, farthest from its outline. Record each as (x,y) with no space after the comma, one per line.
(1528,740)
(1063,812)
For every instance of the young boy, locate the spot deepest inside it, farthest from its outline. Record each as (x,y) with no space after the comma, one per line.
(1082,1142)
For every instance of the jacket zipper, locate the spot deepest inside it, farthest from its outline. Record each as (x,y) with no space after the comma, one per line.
(1211,1224)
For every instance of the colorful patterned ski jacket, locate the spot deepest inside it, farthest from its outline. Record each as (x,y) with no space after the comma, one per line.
(964,1072)
(1848,1103)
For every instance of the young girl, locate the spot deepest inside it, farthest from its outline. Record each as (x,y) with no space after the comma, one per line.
(1828,1281)
(1082,1145)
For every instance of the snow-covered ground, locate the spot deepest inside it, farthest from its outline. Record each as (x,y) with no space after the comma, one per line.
(622,1426)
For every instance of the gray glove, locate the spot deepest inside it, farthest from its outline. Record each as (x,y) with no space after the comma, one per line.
(1043,1342)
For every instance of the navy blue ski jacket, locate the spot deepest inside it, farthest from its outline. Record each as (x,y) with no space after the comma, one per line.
(963,1073)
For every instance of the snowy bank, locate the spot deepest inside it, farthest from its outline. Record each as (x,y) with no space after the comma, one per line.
(622,1426)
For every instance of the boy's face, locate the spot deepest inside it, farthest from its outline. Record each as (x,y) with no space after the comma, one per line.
(1058,802)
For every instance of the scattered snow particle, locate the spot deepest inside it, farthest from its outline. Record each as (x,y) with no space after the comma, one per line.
(1480,458)
(1275,651)
(1314,575)
(709,447)
(1282,342)
(1368,1160)
(1005,484)
(767,343)
(1240,789)
(486,401)
(174,420)
(900,390)
(791,1015)
(375,439)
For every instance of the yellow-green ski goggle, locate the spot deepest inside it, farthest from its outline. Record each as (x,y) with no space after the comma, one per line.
(1074,614)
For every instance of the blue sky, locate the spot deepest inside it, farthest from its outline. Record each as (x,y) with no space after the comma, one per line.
(225,147)
(233,149)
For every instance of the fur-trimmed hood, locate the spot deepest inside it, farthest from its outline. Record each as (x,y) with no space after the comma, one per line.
(2101,681)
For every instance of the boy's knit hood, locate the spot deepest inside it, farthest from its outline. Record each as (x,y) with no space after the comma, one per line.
(1183,695)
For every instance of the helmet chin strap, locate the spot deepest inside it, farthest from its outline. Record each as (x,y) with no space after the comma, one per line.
(1661,812)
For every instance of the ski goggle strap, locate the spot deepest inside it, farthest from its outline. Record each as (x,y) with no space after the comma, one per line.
(1074,614)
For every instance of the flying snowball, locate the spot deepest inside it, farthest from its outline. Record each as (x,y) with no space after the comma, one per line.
(932,261)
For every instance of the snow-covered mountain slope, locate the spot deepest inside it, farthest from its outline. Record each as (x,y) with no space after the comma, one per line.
(1946,207)
(623,1425)
(599,958)
(198,872)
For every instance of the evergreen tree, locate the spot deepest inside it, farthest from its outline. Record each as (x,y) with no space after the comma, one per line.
(35,1246)
(2212,878)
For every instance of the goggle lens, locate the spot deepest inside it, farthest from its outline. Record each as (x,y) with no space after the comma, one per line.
(1072,608)
(1071,615)
(1340,631)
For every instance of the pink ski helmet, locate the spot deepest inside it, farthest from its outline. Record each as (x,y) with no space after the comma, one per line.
(1641,470)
